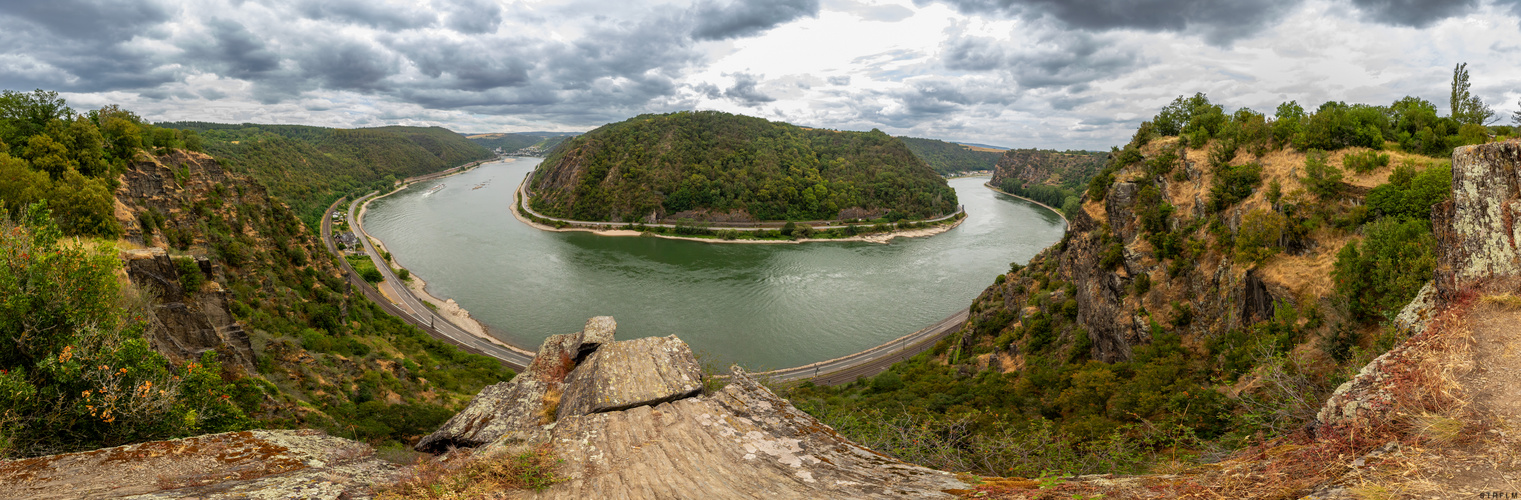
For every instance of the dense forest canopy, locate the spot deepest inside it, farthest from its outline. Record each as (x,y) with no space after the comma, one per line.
(708,161)
(948,157)
(309,167)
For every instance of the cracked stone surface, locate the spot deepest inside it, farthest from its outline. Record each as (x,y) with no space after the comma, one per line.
(741,442)
(244,465)
(631,373)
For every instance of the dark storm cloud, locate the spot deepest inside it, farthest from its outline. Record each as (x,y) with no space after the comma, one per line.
(1057,59)
(77,45)
(741,18)
(368,13)
(744,91)
(235,51)
(87,20)
(1413,13)
(1219,21)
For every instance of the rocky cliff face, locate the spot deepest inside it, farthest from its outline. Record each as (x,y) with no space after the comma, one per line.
(631,419)
(187,323)
(1108,249)
(1047,167)
(1478,228)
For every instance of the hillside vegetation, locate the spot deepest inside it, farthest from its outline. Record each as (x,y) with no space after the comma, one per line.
(510,142)
(1056,178)
(948,158)
(708,165)
(1222,274)
(309,167)
(88,357)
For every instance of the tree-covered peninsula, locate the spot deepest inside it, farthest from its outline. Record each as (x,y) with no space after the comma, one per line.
(714,166)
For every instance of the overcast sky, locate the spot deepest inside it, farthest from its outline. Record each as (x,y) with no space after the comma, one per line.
(1018,73)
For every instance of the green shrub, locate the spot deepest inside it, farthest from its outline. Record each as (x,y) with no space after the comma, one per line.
(1410,195)
(1142,284)
(75,370)
(1259,235)
(1366,161)
(1384,271)
(191,277)
(1233,183)
(1320,178)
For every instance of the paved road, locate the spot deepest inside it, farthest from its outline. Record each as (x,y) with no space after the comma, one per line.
(412,310)
(868,363)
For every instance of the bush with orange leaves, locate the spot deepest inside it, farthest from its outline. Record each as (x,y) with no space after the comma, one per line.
(75,370)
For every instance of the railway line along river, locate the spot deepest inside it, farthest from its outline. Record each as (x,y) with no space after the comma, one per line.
(763,306)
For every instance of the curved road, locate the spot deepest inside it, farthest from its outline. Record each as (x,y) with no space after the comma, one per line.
(868,363)
(411,309)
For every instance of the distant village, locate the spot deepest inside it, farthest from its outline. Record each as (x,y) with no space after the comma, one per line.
(534,150)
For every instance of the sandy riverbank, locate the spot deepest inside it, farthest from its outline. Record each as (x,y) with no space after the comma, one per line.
(451,311)
(883,238)
(447,308)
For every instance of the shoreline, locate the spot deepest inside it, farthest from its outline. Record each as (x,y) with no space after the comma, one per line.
(1058,213)
(883,238)
(448,308)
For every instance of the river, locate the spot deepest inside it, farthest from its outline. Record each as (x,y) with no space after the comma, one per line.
(762,306)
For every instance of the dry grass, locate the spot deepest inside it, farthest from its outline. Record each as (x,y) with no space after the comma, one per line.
(1505,301)
(1437,429)
(468,477)
(551,404)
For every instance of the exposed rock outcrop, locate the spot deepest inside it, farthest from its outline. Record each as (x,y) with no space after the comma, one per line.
(741,442)
(632,420)
(1477,230)
(243,465)
(1046,166)
(187,323)
(623,375)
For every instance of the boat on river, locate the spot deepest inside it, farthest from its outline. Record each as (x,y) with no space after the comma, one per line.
(434,189)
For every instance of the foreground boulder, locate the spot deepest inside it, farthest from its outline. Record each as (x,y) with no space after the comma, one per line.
(253,464)
(741,442)
(630,421)
(527,401)
(623,375)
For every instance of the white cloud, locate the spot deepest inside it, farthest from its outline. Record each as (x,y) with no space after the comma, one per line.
(1025,73)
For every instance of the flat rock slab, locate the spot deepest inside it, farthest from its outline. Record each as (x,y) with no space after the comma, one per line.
(252,464)
(623,375)
(743,442)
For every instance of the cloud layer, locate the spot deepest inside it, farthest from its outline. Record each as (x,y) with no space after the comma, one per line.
(1042,73)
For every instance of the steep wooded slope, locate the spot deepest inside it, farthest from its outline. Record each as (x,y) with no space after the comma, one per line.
(708,165)
(309,167)
(948,157)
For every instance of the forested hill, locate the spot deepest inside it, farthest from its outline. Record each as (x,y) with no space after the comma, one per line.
(514,141)
(949,158)
(309,167)
(1056,178)
(1222,274)
(708,165)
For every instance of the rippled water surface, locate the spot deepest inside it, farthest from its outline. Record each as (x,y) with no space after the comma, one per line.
(764,306)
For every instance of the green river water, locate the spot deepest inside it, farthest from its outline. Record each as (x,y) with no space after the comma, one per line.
(763,306)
